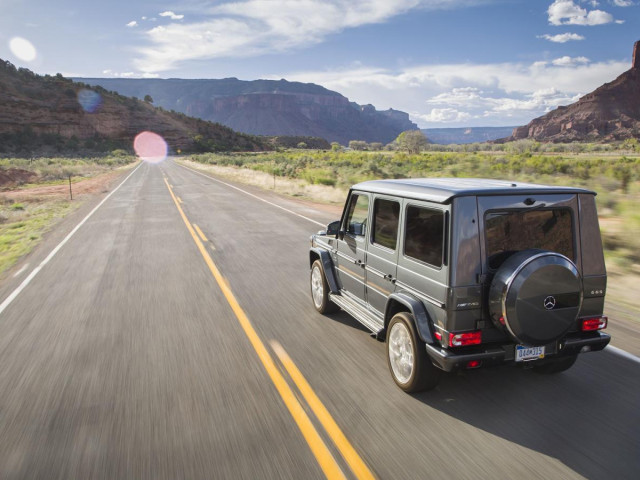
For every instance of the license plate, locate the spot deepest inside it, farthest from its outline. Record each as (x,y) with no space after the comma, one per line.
(524,353)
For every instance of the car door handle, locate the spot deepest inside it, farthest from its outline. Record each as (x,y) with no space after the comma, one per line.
(359,262)
(390,278)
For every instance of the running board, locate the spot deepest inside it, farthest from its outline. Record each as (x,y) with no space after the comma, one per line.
(372,322)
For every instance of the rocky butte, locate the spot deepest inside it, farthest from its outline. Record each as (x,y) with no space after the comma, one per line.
(611,112)
(268,107)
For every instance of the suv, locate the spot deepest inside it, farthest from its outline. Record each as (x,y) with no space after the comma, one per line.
(466,273)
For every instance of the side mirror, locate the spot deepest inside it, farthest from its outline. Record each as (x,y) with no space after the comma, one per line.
(333,228)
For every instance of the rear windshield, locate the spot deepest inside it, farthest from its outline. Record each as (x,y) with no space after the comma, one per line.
(510,232)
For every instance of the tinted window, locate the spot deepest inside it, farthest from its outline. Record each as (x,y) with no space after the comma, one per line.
(386,215)
(423,235)
(510,232)
(357,214)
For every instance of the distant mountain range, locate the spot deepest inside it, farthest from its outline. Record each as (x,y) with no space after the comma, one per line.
(52,113)
(611,112)
(446,136)
(268,107)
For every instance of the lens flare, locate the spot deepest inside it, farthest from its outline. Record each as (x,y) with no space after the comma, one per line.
(150,147)
(89,100)
(22,49)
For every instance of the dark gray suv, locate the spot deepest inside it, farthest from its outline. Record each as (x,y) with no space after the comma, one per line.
(466,273)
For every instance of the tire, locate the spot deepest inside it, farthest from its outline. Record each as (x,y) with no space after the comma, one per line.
(407,357)
(556,365)
(320,290)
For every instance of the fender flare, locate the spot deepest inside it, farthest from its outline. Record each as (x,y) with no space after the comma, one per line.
(327,264)
(417,310)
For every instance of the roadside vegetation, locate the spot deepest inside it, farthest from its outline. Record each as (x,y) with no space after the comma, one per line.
(34,195)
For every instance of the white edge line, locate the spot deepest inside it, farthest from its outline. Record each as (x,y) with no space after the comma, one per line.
(252,195)
(36,270)
(623,353)
(612,349)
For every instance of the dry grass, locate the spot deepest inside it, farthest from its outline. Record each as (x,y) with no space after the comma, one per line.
(285,186)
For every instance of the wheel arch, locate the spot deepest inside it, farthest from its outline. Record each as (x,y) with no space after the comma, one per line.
(327,264)
(403,302)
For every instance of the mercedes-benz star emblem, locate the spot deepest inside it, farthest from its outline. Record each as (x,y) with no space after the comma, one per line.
(549,302)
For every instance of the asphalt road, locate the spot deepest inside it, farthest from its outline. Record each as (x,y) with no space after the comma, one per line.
(125,357)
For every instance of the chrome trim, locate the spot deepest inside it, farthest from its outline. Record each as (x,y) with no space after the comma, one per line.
(423,277)
(351,274)
(349,259)
(420,295)
(382,258)
(375,272)
(379,289)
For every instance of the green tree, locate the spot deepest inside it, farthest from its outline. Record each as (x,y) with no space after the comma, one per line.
(357,145)
(336,147)
(148,99)
(413,141)
(301,145)
(375,146)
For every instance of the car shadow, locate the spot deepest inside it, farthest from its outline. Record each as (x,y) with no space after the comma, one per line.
(587,417)
(347,320)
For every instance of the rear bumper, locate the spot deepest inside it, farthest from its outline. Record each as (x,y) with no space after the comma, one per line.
(449,360)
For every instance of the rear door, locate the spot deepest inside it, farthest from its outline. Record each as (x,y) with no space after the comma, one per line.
(382,252)
(351,254)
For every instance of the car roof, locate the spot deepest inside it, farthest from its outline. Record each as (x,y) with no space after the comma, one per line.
(442,190)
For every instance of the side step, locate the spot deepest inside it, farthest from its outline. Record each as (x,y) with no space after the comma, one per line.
(353,308)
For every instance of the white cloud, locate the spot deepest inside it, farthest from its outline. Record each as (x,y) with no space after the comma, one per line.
(444,115)
(567,61)
(567,12)
(622,3)
(255,27)
(171,15)
(469,94)
(132,23)
(561,37)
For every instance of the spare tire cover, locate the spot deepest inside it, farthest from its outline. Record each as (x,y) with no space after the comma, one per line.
(535,296)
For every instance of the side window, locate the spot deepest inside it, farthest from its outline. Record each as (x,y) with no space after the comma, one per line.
(356,222)
(424,235)
(386,214)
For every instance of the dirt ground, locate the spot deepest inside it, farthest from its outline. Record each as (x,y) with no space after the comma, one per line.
(15,176)
(93,185)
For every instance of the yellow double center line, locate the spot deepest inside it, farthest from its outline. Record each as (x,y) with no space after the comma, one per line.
(319,449)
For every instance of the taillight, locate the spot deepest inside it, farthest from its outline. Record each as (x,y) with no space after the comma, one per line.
(594,323)
(465,339)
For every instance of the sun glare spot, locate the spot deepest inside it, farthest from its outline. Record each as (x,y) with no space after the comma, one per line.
(150,147)
(22,49)
(89,100)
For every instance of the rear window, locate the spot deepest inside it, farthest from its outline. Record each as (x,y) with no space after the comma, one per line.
(511,232)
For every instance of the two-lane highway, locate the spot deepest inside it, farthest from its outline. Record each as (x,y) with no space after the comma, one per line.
(126,357)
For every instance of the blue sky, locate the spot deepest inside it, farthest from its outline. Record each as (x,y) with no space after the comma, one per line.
(448,63)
